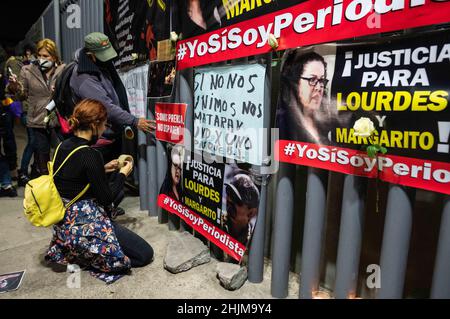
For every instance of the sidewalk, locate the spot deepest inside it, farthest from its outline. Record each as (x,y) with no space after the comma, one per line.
(22,247)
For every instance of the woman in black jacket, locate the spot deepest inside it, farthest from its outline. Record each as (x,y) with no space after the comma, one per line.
(87,236)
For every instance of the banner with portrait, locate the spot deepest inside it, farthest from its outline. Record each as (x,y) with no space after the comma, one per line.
(161,78)
(201,16)
(229,111)
(218,201)
(306,23)
(401,85)
(135,27)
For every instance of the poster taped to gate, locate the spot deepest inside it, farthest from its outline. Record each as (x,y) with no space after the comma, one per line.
(229,111)
(401,85)
(309,22)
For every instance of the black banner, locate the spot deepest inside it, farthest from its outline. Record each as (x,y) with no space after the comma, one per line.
(135,27)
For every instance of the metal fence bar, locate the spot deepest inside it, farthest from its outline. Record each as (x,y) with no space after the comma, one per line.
(350,236)
(440,288)
(313,232)
(142,170)
(396,238)
(152,166)
(161,169)
(256,253)
(282,231)
(186,89)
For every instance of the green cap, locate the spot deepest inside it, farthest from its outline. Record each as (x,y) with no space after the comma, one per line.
(99,44)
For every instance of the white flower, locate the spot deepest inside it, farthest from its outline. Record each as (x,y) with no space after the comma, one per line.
(134,56)
(273,42)
(173,36)
(363,127)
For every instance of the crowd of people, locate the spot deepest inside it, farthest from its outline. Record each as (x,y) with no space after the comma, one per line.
(29,83)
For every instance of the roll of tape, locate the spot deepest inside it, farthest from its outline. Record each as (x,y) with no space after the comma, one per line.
(124,158)
(129,133)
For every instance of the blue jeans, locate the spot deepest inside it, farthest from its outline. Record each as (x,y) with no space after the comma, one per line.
(30,148)
(8,139)
(5,176)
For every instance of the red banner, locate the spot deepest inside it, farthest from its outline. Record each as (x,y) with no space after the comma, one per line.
(218,237)
(170,122)
(413,172)
(311,22)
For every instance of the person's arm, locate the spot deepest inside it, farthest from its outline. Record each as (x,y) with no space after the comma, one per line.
(22,94)
(95,172)
(92,89)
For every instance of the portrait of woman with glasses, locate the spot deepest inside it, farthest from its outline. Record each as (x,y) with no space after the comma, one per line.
(303,111)
(172,182)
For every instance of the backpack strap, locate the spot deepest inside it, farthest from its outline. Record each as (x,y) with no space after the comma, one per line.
(65,160)
(68,156)
(78,196)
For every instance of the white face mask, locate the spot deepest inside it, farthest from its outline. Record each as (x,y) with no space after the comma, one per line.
(44,64)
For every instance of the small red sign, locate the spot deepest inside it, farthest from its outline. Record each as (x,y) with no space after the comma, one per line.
(170,119)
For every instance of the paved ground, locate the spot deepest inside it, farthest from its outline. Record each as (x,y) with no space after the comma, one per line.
(22,247)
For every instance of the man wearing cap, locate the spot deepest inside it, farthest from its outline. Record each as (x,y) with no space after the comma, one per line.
(95,77)
(242,207)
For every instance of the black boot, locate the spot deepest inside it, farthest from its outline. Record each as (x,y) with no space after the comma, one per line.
(42,159)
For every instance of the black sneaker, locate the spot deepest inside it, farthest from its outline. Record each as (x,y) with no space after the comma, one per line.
(118,211)
(8,192)
(23,180)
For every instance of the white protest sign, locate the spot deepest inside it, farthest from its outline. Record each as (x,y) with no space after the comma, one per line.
(135,82)
(229,111)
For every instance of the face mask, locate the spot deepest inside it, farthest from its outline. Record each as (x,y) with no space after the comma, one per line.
(44,64)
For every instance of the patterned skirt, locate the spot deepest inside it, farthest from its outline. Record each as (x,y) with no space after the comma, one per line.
(86,237)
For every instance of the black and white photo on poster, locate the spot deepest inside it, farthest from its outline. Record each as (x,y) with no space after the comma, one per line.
(11,281)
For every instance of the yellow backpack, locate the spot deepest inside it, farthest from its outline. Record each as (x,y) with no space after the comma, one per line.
(42,204)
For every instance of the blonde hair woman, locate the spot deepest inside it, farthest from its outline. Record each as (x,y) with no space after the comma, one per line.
(38,80)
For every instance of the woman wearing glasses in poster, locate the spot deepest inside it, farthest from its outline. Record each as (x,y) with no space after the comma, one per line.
(303,113)
(172,182)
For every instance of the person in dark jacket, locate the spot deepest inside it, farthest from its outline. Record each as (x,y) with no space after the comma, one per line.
(95,77)
(87,236)
(6,187)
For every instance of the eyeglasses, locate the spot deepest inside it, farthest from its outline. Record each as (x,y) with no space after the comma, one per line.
(312,81)
(176,166)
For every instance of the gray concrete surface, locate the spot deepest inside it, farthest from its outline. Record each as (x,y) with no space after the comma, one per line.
(22,247)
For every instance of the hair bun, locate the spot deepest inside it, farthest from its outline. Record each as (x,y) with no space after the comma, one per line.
(74,123)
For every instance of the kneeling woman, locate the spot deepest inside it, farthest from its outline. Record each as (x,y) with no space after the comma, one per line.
(87,236)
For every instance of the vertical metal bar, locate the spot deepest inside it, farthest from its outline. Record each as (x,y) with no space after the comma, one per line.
(57,25)
(350,236)
(256,253)
(313,232)
(161,167)
(396,238)
(282,231)
(186,88)
(152,182)
(440,288)
(142,170)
